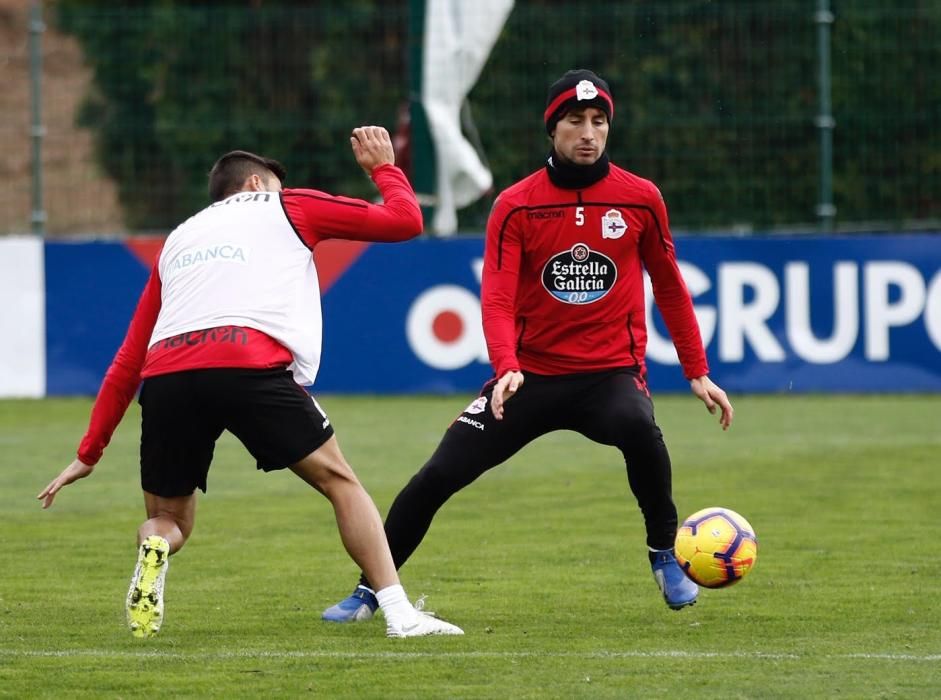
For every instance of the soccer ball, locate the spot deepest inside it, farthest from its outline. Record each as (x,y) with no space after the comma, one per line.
(716,547)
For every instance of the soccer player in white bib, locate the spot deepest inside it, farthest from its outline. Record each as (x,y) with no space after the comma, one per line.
(225,336)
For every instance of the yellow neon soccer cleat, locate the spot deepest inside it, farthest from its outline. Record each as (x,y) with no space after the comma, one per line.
(145,596)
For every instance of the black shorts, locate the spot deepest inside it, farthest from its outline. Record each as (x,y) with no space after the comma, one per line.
(184,413)
(610,407)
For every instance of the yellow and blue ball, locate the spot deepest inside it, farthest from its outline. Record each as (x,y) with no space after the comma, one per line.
(716,547)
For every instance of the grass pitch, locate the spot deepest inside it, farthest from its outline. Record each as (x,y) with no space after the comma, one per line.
(542,563)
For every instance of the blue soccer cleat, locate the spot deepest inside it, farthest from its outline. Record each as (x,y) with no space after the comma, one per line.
(359,606)
(678,590)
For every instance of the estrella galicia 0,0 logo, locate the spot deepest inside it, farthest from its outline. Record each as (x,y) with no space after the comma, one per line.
(579,275)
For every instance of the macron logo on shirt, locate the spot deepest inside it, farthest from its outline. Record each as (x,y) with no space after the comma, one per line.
(191,258)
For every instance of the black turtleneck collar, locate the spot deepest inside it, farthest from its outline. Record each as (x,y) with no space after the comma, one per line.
(575,177)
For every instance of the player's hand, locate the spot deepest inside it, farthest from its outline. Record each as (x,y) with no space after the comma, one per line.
(75,471)
(372,147)
(712,395)
(507,385)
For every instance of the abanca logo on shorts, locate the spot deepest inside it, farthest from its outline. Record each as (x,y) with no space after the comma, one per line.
(579,275)
(471,422)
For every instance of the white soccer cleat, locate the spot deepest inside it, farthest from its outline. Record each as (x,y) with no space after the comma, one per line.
(423,625)
(145,596)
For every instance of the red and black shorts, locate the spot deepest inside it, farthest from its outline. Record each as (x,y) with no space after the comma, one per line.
(184,413)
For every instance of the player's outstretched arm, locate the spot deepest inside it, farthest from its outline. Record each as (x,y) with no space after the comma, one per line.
(712,395)
(75,471)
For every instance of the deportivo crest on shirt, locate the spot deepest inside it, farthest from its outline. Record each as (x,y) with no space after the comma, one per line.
(586,90)
(579,275)
(613,224)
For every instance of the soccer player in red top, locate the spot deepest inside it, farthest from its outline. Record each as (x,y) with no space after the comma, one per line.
(227,330)
(563,314)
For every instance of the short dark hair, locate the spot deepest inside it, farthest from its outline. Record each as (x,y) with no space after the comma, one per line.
(231,170)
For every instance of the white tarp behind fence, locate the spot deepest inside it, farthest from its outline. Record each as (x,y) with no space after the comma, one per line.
(459,36)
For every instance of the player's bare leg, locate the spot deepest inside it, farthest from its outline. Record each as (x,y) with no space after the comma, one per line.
(364,538)
(168,526)
(358,519)
(169,518)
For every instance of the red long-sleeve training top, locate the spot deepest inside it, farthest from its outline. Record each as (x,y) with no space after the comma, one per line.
(562,288)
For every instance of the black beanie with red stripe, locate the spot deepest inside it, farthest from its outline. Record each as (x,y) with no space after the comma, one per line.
(577,88)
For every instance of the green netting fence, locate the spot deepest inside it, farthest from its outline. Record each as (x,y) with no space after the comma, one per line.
(716,101)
